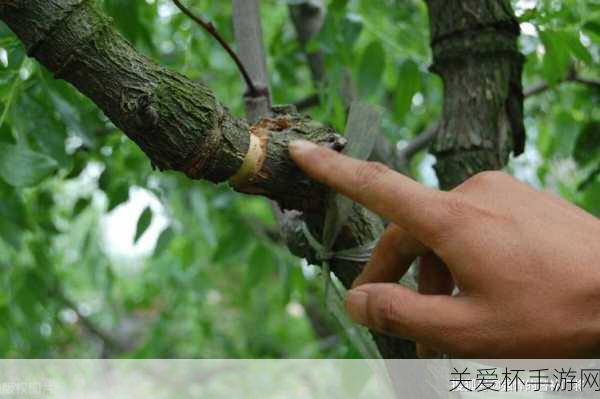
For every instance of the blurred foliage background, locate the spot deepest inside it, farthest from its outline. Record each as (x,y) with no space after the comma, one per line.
(102,256)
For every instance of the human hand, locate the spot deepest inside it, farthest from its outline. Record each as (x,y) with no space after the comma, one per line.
(526,263)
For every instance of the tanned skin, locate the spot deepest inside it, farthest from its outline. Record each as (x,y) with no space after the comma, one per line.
(526,263)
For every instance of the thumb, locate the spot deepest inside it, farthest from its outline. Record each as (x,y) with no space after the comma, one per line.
(445,323)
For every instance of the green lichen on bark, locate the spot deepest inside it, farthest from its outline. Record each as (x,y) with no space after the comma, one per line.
(177,122)
(174,120)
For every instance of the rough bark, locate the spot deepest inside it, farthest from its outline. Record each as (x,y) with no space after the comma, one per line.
(177,122)
(180,125)
(475,52)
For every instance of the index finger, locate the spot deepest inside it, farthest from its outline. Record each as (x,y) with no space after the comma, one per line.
(404,201)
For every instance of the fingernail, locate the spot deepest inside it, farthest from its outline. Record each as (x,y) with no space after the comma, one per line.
(356,305)
(300,146)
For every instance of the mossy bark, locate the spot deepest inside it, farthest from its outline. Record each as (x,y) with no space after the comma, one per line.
(177,122)
(475,52)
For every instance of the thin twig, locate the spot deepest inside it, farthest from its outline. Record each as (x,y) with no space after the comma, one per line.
(307,102)
(426,138)
(421,142)
(590,82)
(543,87)
(210,28)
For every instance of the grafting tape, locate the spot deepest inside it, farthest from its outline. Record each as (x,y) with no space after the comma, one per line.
(361,132)
(360,254)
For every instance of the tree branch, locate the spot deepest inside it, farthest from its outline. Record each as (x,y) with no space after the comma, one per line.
(588,81)
(424,140)
(211,29)
(421,142)
(179,123)
(249,39)
(307,102)
(574,77)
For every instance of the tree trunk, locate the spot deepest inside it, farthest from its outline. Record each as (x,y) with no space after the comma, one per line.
(475,51)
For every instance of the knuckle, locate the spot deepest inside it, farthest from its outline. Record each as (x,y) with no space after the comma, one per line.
(456,208)
(481,180)
(461,209)
(487,177)
(458,214)
(369,173)
(385,314)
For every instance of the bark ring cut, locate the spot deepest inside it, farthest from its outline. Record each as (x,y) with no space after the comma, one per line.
(251,165)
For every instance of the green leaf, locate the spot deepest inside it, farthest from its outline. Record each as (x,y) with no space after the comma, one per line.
(201,211)
(578,50)
(163,241)
(117,195)
(143,223)
(21,167)
(10,233)
(12,207)
(589,179)
(34,115)
(370,71)
(116,188)
(557,56)
(409,82)
(338,5)
(565,131)
(351,29)
(587,146)
(80,205)
(529,15)
(260,265)
(592,29)
(590,200)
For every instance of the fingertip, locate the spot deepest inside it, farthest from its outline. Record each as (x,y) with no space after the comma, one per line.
(299,148)
(356,305)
